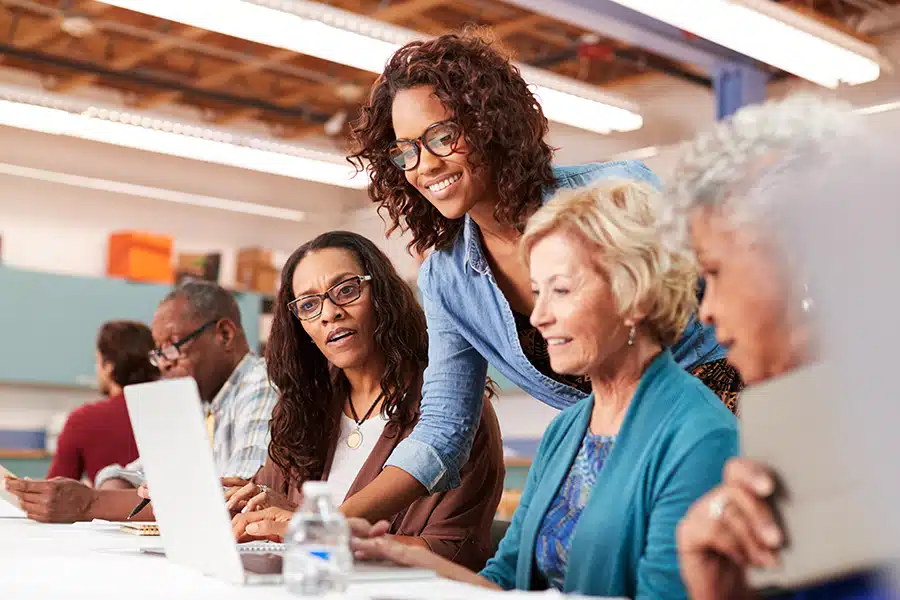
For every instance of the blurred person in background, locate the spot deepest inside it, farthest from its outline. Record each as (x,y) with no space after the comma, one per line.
(347,351)
(731,188)
(99,434)
(197,331)
(615,472)
(453,139)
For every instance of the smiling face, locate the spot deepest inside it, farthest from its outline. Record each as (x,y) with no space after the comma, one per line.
(344,334)
(575,310)
(746,297)
(450,183)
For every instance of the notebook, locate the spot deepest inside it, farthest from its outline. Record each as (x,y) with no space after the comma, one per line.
(142,529)
(822,498)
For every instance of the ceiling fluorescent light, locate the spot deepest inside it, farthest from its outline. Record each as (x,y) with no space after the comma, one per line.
(63,116)
(346,38)
(154,193)
(772,34)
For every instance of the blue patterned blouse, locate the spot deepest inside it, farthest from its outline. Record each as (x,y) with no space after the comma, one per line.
(554,537)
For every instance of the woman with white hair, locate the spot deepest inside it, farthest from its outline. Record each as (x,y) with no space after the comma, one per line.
(615,472)
(734,189)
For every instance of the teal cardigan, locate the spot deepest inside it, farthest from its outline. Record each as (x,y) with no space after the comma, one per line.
(671,448)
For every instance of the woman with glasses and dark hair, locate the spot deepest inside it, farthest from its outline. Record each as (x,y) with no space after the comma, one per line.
(99,434)
(347,351)
(453,140)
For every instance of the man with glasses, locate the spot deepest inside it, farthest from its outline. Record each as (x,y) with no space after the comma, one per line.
(197,331)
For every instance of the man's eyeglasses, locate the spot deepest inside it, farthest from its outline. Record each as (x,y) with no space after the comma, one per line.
(440,139)
(172,352)
(309,307)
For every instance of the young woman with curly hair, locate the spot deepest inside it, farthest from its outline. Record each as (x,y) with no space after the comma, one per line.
(347,351)
(453,140)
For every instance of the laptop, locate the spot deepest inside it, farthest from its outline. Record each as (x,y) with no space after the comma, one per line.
(190,509)
(803,426)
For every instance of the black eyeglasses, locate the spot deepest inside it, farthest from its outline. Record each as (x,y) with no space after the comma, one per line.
(172,352)
(440,139)
(309,307)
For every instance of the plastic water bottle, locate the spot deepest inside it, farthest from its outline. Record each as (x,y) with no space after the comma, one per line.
(317,558)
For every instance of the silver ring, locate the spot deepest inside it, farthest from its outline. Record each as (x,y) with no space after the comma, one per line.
(263,488)
(717,506)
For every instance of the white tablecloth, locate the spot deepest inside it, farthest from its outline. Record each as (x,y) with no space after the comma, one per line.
(84,562)
(77,562)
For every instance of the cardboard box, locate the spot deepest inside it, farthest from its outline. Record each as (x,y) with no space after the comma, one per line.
(256,271)
(140,256)
(198,266)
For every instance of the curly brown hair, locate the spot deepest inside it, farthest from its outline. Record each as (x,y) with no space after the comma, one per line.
(502,121)
(306,420)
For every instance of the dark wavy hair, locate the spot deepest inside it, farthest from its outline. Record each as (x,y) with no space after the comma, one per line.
(306,421)
(503,125)
(127,345)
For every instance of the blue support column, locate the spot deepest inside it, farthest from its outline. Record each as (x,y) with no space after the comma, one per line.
(736,86)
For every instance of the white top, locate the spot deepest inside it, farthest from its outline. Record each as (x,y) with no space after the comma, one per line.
(348,461)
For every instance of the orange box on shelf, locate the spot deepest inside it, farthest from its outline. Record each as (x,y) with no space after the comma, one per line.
(140,256)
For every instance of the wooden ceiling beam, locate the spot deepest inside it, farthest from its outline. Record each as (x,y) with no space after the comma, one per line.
(220,77)
(132,59)
(51,28)
(398,11)
(391,13)
(508,28)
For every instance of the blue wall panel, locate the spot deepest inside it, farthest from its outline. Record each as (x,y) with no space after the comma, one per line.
(49,322)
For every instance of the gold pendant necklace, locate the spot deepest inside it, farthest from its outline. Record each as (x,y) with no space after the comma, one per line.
(355,439)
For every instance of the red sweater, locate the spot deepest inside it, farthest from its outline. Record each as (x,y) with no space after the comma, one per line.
(95,435)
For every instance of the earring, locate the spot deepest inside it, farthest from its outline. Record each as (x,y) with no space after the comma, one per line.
(807,303)
(631,335)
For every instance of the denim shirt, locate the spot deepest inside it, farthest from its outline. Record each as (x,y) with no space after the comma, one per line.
(471,325)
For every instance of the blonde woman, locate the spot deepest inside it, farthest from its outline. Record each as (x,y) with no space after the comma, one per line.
(615,472)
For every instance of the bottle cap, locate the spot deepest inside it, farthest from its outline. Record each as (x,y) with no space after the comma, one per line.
(316,488)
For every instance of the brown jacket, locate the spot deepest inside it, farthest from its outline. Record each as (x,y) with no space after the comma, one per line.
(454,524)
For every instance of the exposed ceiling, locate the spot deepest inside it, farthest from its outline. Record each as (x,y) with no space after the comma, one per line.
(73,44)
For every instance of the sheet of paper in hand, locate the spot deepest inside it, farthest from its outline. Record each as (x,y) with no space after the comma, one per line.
(9,504)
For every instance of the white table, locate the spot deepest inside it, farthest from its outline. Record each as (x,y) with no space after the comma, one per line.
(72,562)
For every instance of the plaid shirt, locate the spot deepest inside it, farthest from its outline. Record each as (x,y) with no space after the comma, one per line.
(241,411)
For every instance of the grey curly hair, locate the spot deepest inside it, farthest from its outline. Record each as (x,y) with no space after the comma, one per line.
(735,163)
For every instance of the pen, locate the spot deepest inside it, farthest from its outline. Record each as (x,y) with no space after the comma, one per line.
(144,502)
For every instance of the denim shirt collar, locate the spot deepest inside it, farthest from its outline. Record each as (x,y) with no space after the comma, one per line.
(474,256)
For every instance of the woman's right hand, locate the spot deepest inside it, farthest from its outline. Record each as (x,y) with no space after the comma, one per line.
(728,530)
(252,497)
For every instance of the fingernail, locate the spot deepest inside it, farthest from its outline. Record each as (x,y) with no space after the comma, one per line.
(252,528)
(772,535)
(243,510)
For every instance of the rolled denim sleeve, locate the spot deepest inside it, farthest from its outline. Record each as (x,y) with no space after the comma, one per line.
(452,396)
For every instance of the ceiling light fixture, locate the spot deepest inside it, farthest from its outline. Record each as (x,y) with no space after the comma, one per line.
(60,115)
(772,34)
(153,193)
(346,38)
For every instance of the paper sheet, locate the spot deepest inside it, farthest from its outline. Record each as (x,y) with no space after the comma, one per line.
(9,504)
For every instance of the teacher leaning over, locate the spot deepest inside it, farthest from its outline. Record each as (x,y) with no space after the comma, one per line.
(453,140)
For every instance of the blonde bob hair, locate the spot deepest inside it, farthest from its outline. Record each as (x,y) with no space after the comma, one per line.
(652,282)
